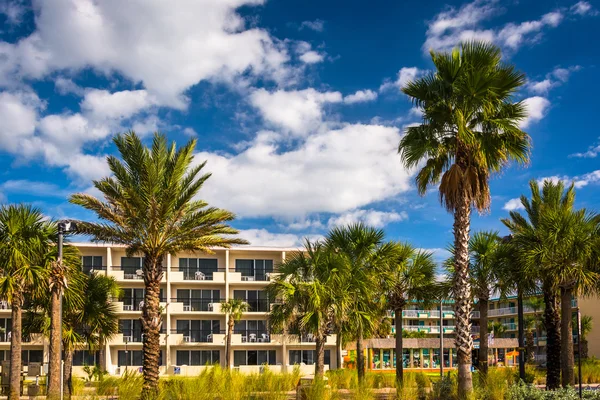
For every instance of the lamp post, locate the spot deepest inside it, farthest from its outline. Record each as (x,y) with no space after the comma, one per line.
(579,351)
(126,356)
(64,226)
(441,338)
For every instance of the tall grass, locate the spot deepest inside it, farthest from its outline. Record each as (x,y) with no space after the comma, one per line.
(590,371)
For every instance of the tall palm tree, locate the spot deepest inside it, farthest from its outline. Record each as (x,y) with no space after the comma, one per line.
(233,310)
(24,239)
(150,205)
(556,240)
(484,267)
(304,295)
(364,256)
(410,277)
(470,130)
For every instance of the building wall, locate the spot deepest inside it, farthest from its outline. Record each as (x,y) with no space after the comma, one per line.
(590,306)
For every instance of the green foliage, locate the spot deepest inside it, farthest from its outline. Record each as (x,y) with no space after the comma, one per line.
(590,371)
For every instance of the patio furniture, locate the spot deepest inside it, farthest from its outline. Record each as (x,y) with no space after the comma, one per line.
(139,274)
(264,338)
(252,337)
(199,276)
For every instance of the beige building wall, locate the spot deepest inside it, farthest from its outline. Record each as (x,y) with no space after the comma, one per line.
(591,306)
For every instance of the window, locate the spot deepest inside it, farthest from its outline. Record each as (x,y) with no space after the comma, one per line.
(85,357)
(308,357)
(133,298)
(198,300)
(130,266)
(89,263)
(134,357)
(257,269)
(197,357)
(254,357)
(32,356)
(131,329)
(5,328)
(189,267)
(257,299)
(198,331)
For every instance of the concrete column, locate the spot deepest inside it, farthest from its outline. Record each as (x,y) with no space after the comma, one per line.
(168,315)
(450,358)
(410,358)
(422,361)
(108,259)
(430,358)
(226,276)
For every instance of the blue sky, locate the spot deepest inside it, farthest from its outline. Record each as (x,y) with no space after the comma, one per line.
(295,104)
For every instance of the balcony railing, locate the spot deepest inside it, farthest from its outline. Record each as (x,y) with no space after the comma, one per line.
(250,275)
(199,275)
(197,336)
(510,326)
(135,335)
(91,270)
(197,304)
(130,305)
(130,272)
(258,305)
(254,335)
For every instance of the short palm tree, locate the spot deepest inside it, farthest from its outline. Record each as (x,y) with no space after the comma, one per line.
(536,303)
(151,206)
(24,239)
(484,250)
(410,278)
(303,291)
(364,256)
(233,309)
(586,328)
(470,130)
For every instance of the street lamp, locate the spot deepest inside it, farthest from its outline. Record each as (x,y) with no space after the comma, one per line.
(64,226)
(579,350)
(126,356)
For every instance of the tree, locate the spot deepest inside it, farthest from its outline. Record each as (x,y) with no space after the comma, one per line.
(303,291)
(536,303)
(530,326)
(586,328)
(484,266)
(409,277)
(25,236)
(363,256)
(557,241)
(233,310)
(150,205)
(470,130)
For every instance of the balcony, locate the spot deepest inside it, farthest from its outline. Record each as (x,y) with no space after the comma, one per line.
(241,275)
(253,335)
(94,270)
(198,336)
(305,339)
(258,305)
(128,305)
(195,305)
(186,275)
(127,273)
(510,326)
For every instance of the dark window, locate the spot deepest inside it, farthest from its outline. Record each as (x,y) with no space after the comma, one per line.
(257,299)
(308,357)
(189,267)
(257,269)
(254,357)
(84,357)
(91,262)
(130,266)
(197,357)
(134,358)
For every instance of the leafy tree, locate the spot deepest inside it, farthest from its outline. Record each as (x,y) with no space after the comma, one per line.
(485,251)
(410,276)
(233,309)
(470,130)
(25,236)
(150,205)
(363,255)
(304,294)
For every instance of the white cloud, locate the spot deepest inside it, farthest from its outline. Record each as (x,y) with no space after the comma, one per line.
(317,25)
(440,255)
(118,105)
(370,217)
(190,132)
(537,108)
(553,79)
(262,237)
(312,57)
(583,8)
(405,75)
(33,188)
(66,86)
(296,111)
(592,152)
(452,26)
(332,171)
(13,11)
(18,113)
(513,204)
(167,49)
(579,181)
(360,96)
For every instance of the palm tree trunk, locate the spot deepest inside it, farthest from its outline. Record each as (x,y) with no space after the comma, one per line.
(102,363)
(399,347)
(538,330)
(462,290)
(360,356)
(529,349)
(151,324)
(54,346)
(553,345)
(230,324)
(320,361)
(338,351)
(15,349)
(68,374)
(483,336)
(567,361)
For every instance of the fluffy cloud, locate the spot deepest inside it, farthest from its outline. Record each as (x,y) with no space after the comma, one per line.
(312,57)
(583,8)
(33,188)
(360,96)
(513,204)
(262,237)
(578,181)
(168,50)
(317,25)
(118,105)
(537,108)
(592,152)
(297,111)
(332,171)
(371,217)
(453,26)
(405,75)
(553,79)
(18,113)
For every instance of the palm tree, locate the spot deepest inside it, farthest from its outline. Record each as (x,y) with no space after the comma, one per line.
(233,310)
(536,303)
(24,239)
(303,291)
(586,328)
(470,130)
(150,205)
(530,326)
(411,277)
(556,241)
(484,266)
(364,256)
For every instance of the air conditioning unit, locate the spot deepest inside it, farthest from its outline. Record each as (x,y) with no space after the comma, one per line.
(127,307)
(186,339)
